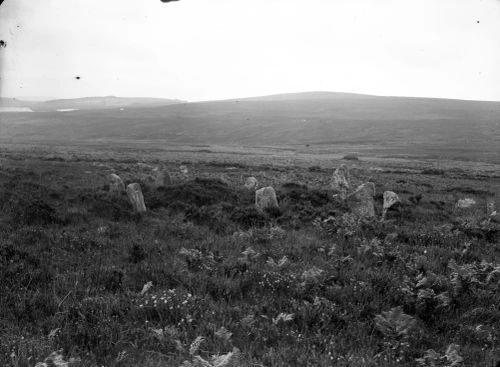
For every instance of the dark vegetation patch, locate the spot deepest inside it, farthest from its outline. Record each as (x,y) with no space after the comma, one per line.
(426,185)
(433,171)
(102,204)
(248,217)
(199,192)
(471,191)
(315,169)
(351,157)
(28,203)
(223,208)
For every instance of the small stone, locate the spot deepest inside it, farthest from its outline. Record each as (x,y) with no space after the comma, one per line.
(465,203)
(265,198)
(490,207)
(136,198)
(251,183)
(184,170)
(116,183)
(390,198)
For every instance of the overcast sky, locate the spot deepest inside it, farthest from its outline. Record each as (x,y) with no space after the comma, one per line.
(214,49)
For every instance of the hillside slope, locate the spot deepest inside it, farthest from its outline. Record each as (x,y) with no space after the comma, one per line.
(306,118)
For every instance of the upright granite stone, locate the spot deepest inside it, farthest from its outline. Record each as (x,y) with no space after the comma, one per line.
(361,201)
(340,180)
(116,183)
(161,178)
(136,198)
(265,198)
(166,178)
(390,198)
(251,183)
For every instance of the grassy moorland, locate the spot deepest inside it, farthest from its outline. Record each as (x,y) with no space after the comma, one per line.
(464,130)
(203,274)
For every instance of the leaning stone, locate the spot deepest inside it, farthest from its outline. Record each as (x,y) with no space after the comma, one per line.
(490,207)
(390,198)
(136,198)
(340,180)
(361,201)
(465,203)
(116,183)
(251,183)
(265,198)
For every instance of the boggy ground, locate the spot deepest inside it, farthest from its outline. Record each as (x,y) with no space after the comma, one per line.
(286,288)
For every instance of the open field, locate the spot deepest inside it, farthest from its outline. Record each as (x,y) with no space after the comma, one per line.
(282,288)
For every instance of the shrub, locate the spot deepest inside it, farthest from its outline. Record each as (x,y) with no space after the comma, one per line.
(36,212)
(248,217)
(136,253)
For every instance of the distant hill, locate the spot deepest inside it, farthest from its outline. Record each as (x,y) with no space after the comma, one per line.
(317,118)
(11,102)
(88,103)
(97,103)
(306,96)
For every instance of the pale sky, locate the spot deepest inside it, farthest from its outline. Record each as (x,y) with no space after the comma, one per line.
(215,49)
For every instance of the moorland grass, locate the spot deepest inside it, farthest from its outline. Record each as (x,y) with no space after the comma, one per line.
(288,288)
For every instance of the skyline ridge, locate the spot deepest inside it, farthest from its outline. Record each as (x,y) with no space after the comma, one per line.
(284,94)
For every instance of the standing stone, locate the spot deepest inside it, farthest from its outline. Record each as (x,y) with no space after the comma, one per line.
(265,198)
(251,183)
(340,180)
(134,194)
(116,183)
(161,178)
(166,178)
(390,198)
(361,201)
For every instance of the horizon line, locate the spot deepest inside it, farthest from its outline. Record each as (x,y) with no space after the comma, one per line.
(37,99)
